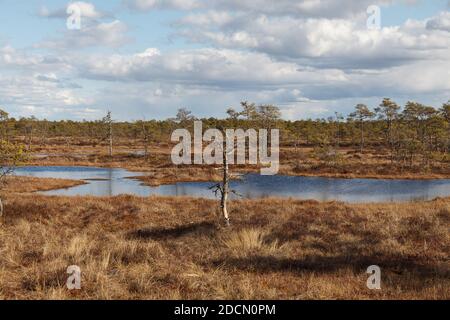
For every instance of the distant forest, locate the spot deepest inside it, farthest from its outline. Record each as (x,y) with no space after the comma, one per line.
(407,132)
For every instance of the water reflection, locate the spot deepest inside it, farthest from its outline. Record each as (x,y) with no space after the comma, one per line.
(110,182)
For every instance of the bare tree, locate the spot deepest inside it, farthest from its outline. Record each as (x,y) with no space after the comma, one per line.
(223,188)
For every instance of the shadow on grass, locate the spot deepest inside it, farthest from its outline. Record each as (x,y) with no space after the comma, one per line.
(203,228)
(397,265)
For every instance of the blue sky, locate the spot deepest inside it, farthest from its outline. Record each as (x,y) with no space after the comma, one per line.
(23,27)
(147,58)
(400,12)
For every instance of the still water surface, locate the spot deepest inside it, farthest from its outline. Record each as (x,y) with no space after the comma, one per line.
(110,182)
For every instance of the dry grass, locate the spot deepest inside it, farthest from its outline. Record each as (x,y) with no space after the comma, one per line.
(17,184)
(170,248)
(171,175)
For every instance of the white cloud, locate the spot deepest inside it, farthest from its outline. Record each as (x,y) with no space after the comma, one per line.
(30,95)
(88,10)
(154,81)
(96,29)
(14,60)
(310,57)
(311,8)
(146,5)
(109,34)
(207,67)
(338,43)
(11,57)
(441,22)
(286,82)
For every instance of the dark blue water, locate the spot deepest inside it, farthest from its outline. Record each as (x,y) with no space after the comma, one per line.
(110,182)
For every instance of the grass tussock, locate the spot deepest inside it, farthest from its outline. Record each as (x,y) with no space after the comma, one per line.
(166,248)
(250,242)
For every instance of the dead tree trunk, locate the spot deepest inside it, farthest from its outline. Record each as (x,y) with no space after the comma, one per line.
(225,186)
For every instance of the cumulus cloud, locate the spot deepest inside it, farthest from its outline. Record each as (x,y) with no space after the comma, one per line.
(310,8)
(48,77)
(30,95)
(87,10)
(109,34)
(310,57)
(9,56)
(96,29)
(441,22)
(20,61)
(62,83)
(152,79)
(146,5)
(288,82)
(208,67)
(339,43)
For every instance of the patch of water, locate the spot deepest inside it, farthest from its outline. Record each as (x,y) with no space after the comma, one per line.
(110,182)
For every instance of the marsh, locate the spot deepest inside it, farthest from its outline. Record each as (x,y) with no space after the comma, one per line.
(113,181)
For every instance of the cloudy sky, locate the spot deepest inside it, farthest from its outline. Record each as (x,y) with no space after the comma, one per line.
(147,58)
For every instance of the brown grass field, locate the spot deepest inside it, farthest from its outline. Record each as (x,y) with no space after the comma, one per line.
(171,248)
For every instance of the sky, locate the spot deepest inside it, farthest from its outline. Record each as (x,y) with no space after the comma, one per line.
(144,59)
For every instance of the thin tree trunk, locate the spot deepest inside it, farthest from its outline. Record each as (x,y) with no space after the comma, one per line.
(30,139)
(225,186)
(338,135)
(1,208)
(362,137)
(146,148)
(146,140)
(110,140)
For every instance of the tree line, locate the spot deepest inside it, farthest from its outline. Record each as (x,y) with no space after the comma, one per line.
(408,133)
